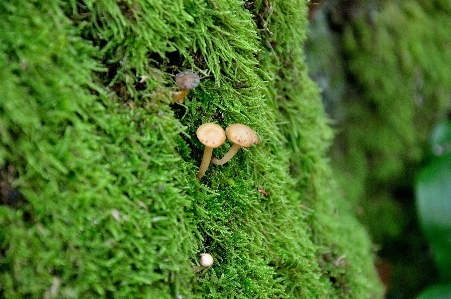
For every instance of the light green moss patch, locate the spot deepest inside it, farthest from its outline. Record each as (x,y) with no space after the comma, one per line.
(107,163)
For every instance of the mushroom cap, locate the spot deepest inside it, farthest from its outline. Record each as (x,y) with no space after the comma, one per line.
(241,134)
(211,135)
(187,80)
(206,260)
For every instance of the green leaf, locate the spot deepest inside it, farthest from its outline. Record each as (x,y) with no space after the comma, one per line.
(433,196)
(442,291)
(440,140)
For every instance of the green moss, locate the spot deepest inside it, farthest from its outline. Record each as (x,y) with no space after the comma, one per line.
(396,58)
(107,163)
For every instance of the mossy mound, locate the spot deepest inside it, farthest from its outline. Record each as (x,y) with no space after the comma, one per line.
(397,55)
(106,162)
(393,58)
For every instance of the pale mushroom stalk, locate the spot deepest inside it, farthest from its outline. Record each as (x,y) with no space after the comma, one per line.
(229,155)
(208,151)
(180,95)
(198,268)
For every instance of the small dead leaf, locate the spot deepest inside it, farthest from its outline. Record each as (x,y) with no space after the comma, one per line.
(142,205)
(143,79)
(262,191)
(116,214)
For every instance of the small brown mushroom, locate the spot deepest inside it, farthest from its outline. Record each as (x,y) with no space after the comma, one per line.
(205,261)
(212,136)
(240,135)
(186,81)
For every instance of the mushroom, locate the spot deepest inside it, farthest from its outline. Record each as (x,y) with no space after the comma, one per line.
(240,135)
(205,261)
(186,81)
(212,136)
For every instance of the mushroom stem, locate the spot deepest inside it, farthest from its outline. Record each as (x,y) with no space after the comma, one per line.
(205,162)
(180,95)
(229,155)
(198,268)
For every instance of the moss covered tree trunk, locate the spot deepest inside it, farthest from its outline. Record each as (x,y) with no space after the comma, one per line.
(98,164)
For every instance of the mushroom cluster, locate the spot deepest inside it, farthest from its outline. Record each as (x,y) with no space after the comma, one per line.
(212,136)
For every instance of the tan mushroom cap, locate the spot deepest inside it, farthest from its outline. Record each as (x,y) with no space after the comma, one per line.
(241,135)
(187,80)
(211,135)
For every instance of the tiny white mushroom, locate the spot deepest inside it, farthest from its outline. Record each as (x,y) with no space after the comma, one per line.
(205,261)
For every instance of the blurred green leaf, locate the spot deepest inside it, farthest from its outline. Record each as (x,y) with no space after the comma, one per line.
(433,196)
(436,292)
(440,141)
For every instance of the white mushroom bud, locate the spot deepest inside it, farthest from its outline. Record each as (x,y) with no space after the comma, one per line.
(205,261)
